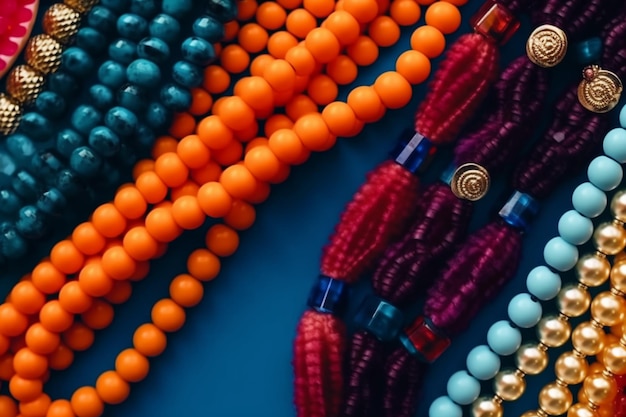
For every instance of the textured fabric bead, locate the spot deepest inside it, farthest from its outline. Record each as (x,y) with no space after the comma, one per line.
(223,10)
(25,185)
(123,51)
(143,73)
(463,388)
(560,255)
(121,121)
(85,162)
(543,283)
(10,202)
(153,49)
(187,74)
(12,245)
(36,126)
(31,223)
(575,228)
(175,98)
(208,28)
(67,141)
(177,8)
(524,311)
(605,173)
(589,200)
(102,19)
(63,83)
(112,74)
(588,51)
(503,338)
(482,363)
(614,144)
(91,40)
(104,141)
(165,27)
(132,26)
(50,104)
(144,8)
(444,407)
(69,183)
(132,97)
(157,116)
(198,51)
(101,96)
(77,62)
(85,118)
(20,147)
(51,202)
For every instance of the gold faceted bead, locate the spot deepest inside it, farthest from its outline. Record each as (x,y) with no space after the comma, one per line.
(25,83)
(592,270)
(609,238)
(588,338)
(581,410)
(486,407)
(555,399)
(608,309)
(10,114)
(573,300)
(81,6)
(571,368)
(509,384)
(61,22)
(553,331)
(618,206)
(618,276)
(44,53)
(614,358)
(600,388)
(531,359)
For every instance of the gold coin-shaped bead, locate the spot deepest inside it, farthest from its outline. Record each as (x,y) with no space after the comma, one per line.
(599,388)
(10,114)
(486,407)
(608,308)
(546,46)
(573,300)
(600,90)
(553,331)
(470,182)
(61,22)
(593,269)
(609,238)
(588,339)
(509,385)
(555,399)
(24,83)
(581,410)
(81,6)
(43,53)
(618,206)
(531,359)
(571,368)
(618,276)
(614,358)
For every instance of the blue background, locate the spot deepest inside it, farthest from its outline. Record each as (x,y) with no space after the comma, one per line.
(233,356)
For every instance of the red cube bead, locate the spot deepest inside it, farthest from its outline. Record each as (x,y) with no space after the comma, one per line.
(495,21)
(424,340)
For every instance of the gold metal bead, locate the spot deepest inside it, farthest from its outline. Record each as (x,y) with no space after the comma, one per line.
(546,46)
(614,358)
(581,410)
(81,6)
(620,257)
(61,22)
(553,331)
(470,182)
(618,206)
(43,53)
(588,338)
(609,238)
(573,300)
(618,276)
(531,359)
(509,384)
(486,407)
(571,368)
(555,399)
(593,269)
(600,388)
(600,90)
(24,83)
(534,413)
(608,309)
(10,114)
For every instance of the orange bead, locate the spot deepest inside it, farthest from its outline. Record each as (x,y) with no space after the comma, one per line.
(87,239)
(256,92)
(93,281)
(87,403)
(203,265)
(234,113)
(301,60)
(201,102)
(60,408)
(238,181)
(319,8)
(167,315)
(414,66)
(280,75)
(193,152)
(74,298)
(289,4)
(234,59)
(363,51)
(384,31)
(6,367)
(428,40)
(365,103)
(300,22)
(99,315)
(8,407)
(405,12)
(78,337)
(258,64)
(258,141)
(322,89)
(163,145)
(457,2)
(393,89)
(130,203)
(276,122)
(140,244)
(186,291)
(26,298)
(230,30)
(149,340)
(216,79)
(262,163)
(253,37)
(25,390)
(37,407)
(280,43)
(120,293)
(344,26)
(171,169)
(271,15)
(246,9)
(160,224)
(312,131)
(229,155)
(260,194)
(288,147)
(241,216)
(142,270)
(187,212)
(108,220)
(443,16)
(66,257)
(142,166)
(111,388)
(214,199)
(47,278)
(29,365)
(363,10)
(5,343)
(131,365)
(340,118)
(188,188)
(117,263)
(250,132)
(299,106)
(214,133)
(41,340)
(12,322)
(383,6)
(183,124)
(323,45)
(54,317)
(151,187)
(342,70)
(17,343)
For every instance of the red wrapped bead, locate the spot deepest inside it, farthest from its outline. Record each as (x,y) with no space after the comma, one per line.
(495,21)
(424,340)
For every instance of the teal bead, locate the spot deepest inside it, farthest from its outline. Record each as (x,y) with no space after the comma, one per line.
(104,141)
(153,49)
(560,255)
(121,121)
(145,137)
(589,200)
(102,19)
(7,165)
(20,147)
(36,126)
(133,97)
(25,185)
(85,162)
(165,27)
(132,26)
(31,223)
(85,118)
(605,173)
(69,183)
(63,84)
(622,117)
(45,165)
(223,10)
(175,98)
(10,202)
(187,74)
(50,104)
(126,157)
(208,28)
(198,51)
(67,140)
(101,96)
(112,74)
(482,363)
(444,407)
(588,51)
(12,245)
(144,8)
(91,40)
(118,6)
(157,116)
(463,388)
(77,62)
(51,202)
(143,73)
(503,338)
(109,177)
(614,144)
(177,8)
(543,283)
(575,228)
(523,311)
(123,51)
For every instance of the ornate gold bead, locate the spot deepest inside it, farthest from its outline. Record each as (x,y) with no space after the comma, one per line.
(555,399)
(571,368)
(486,407)
(573,300)
(470,182)
(553,331)
(546,46)
(608,309)
(600,90)
(614,358)
(24,83)
(599,388)
(61,22)
(609,238)
(593,269)
(618,276)
(81,6)
(581,410)
(10,114)
(509,384)
(531,359)
(618,206)
(588,339)
(44,53)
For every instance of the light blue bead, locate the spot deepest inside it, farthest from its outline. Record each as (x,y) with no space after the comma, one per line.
(77,62)
(157,116)
(101,96)
(12,245)
(223,10)
(36,126)
(144,8)
(102,19)
(10,202)
(153,49)
(444,407)
(132,97)
(85,162)
(622,117)
(85,118)
(463,388)
(51,202)
(483,363)
(112,74)
(25,185)
(144,73)
(177,8)
(175,98)
(104,141)
(208,28)
(589,200)
(50,104)
(187,74)
(605,173)
(20,147)
(132,26)
(198,51)
(543,283)
(165,27)
(614,144)
(31,223)
(524,311)
(575,228)
(122,121)
(503,338)
(560,255)
(91,40)
(123,51)
(67,141)
(63,83)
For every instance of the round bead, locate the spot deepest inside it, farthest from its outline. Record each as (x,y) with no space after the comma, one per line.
(85,118)
(118,6)
(67,140)
(208,28)
(123,51)
(573,300)
(608,308)
(593,270)
(482,363)
(524,311)
(487,407)
(589,200)
(553,331)
(132,97)
(588,339)
(622,117)
(609,238)
(618,276)
(463,388)
(153,49)
(175,98)
(20,147)
(85,162)
(575,228)
(157,116)
(69,183)
(571,368)
(132,26)
(503,338)
(599,388)
(614,144)
(12,245)
(77,62)
(46,165)
(101,96)
(43,53)
(509,385)
(143,73)
(25,185)
(543,283)
(531,359)
(560,255)
(223,10)
(144,8)
(581,410)
(102,19)
(24,84)
(50,104)
(104,141)
(9,202)
(31,223)
(165,27)
(555,399)
(618,206)
(198,51)
(614,358)
(51,202)
(36,126)
(444,407)
(121,121)
(605,173)
(187,74)
(91,40)
(112,74)
(177,8)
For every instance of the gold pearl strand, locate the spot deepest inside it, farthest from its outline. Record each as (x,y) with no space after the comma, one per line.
(592,270)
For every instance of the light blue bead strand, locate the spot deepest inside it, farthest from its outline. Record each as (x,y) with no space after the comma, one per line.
(463,388)
(589,200)
(614,144)
(543,283)
(483,363)
(622,117)
(524,311)
(575,228)
(503,338)
(444,407)
(560,255)
(605,173)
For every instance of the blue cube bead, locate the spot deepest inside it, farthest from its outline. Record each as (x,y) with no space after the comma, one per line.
(144,73)
(69,183)
(85,118)
(588,51)
(25,185)
(144,8)
(519,210)
(104,141)
(31,223)
(157,116)
(414,152)
(165,27)
(121,121)
(208,28)
(132,26)
(379,318)
(187,74)
(51,202)
(36,126)
(118,6)
(123,51)
(67,141)
(328,295)
(12,245)
(177,8)
(91,40)
(50,104)
(102,19)
(85,162)
(20,147)
(101,96)
(153,49)
(175,98)
(132,97)
(198,51)
(63,83)
(112,74)
(77,62)
(10,202)
(223,10)
(46,166)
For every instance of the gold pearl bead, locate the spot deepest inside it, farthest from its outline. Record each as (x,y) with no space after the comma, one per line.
(618,276)
(43,53)
(25,83)
(614,358)
(61,22)
(618,206)
(571,368)
(588,339)
(10,114)
(573,300)
(593,269)
(509,385)
(581,410)
(81,6)
(555,399)
(531,359)
(609,238)
(608,308)
(486,407)
(553,331)
(531,414)
(600,388)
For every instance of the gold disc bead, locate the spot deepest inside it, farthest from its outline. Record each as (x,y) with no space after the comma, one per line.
(609,238)
(573,300)
(593,269)
(509,384)
(600,388)
(61,22)
(600,90)
(43,53)
(81,6)
(531,359)
(553,331)
(571,368)
(486,407)
(581,410)
(24,83)
(10,114)
(555,399)
(614,358)
(608,308)
(546,46)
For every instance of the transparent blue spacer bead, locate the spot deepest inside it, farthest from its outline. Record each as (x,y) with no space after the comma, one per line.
(328,295)
(519,210)
(415,153)
(380,318)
